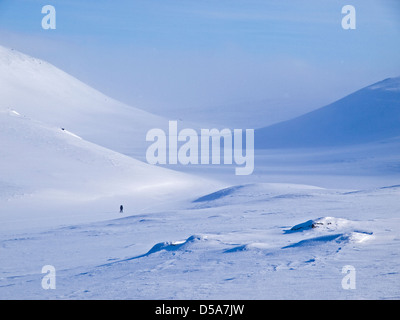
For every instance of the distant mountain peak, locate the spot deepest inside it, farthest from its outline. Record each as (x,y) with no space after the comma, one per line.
(368,115)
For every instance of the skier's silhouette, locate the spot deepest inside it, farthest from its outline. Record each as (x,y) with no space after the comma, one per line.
(121,208)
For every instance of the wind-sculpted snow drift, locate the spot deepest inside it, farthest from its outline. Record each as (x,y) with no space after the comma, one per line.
(329,226)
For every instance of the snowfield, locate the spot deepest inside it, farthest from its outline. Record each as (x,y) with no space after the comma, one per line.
(70,157)
(50,175)
(276,245)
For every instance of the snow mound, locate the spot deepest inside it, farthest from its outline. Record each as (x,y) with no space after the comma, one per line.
(174,245)
(340,238)
(219,194)
(255,191)
(255,246)
(321,231)
(333,230)
(167,246)
(324,223)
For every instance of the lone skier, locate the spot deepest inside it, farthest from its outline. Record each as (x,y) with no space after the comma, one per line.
(121,208)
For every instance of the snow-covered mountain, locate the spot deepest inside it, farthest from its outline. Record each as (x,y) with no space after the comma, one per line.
(63,176)
(368,115)
(62,146)
(40,91)
(53,176)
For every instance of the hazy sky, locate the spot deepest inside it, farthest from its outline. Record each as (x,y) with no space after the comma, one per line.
(186,57)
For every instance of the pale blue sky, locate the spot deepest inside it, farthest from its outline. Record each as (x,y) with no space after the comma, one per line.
(184,55)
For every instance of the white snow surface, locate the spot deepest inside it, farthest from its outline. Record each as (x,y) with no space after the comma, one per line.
(55,170)
(39,90)
(286,232)
(261,249)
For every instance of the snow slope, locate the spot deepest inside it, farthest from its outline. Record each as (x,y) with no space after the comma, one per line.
(43,92)
(50,176)
(62,150)
(368,115)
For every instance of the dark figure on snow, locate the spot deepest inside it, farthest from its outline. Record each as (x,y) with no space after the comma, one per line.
(121,208)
